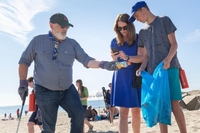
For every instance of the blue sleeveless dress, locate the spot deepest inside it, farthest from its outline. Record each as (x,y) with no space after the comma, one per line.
(122,92)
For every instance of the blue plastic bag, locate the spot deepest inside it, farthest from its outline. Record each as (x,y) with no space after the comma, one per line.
(156,102)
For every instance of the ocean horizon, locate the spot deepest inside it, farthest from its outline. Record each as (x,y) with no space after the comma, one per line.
(12,109)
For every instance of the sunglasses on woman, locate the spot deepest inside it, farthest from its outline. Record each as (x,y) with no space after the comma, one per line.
(120,28)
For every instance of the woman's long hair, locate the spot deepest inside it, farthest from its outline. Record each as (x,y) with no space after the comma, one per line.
(81,87)
(131,33)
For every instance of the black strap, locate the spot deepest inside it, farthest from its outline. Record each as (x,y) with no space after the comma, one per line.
(137,80)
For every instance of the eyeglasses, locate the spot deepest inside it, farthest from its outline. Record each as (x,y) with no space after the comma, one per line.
(64,27)
(55,51)
(120,28)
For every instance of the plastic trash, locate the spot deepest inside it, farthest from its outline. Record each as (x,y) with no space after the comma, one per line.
(156,102)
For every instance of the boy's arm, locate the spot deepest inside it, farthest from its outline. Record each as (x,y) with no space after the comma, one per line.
(144,62)
(172,51)
(145,59)
(134,59)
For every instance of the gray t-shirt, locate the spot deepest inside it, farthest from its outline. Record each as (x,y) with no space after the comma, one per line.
(155,38)
(53,74)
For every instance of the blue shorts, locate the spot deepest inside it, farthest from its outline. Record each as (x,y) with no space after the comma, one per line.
(174,84)
(33,117)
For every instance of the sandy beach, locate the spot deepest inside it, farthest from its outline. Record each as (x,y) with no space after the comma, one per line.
(63,125)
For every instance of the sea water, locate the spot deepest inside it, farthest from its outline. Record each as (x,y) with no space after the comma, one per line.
(97,104)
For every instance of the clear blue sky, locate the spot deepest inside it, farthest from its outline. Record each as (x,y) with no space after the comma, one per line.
(93,23)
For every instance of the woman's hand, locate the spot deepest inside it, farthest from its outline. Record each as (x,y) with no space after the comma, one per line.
(114,56)
(123,56)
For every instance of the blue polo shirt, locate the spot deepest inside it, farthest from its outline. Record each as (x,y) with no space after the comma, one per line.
(53,74)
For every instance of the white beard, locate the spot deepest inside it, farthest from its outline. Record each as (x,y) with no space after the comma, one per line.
(60,36)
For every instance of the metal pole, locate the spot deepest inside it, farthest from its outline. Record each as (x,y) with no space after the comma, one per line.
(24,99)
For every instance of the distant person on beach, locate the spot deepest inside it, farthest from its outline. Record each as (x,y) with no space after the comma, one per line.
(53,55)
(108,92)
(116,112)
(5,115)
(35,118)
(83,93)
(18,114)
(10,117)
(26,112)
(159,41)
(91,113)
(105,111)
(88,113)
(123,94)
(95,114)
(107,100)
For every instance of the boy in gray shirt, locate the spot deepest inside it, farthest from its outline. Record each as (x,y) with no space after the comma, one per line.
(159,42)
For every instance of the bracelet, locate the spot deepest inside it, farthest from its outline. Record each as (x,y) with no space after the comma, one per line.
(127,58)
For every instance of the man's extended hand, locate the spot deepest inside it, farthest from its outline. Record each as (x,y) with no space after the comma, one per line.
(23,89)
(110,66)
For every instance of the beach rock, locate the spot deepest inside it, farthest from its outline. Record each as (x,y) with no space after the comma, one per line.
(189,100)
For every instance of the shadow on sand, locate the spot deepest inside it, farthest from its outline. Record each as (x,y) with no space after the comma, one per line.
(103,132)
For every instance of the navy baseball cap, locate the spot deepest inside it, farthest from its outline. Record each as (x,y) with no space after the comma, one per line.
(137,6)
(60,19)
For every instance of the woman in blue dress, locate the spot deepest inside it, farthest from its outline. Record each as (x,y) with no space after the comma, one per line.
(123,94)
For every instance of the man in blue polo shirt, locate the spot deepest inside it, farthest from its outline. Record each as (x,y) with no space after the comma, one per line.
(53,55)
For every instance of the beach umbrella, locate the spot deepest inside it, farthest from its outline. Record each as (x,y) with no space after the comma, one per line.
(97,96)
